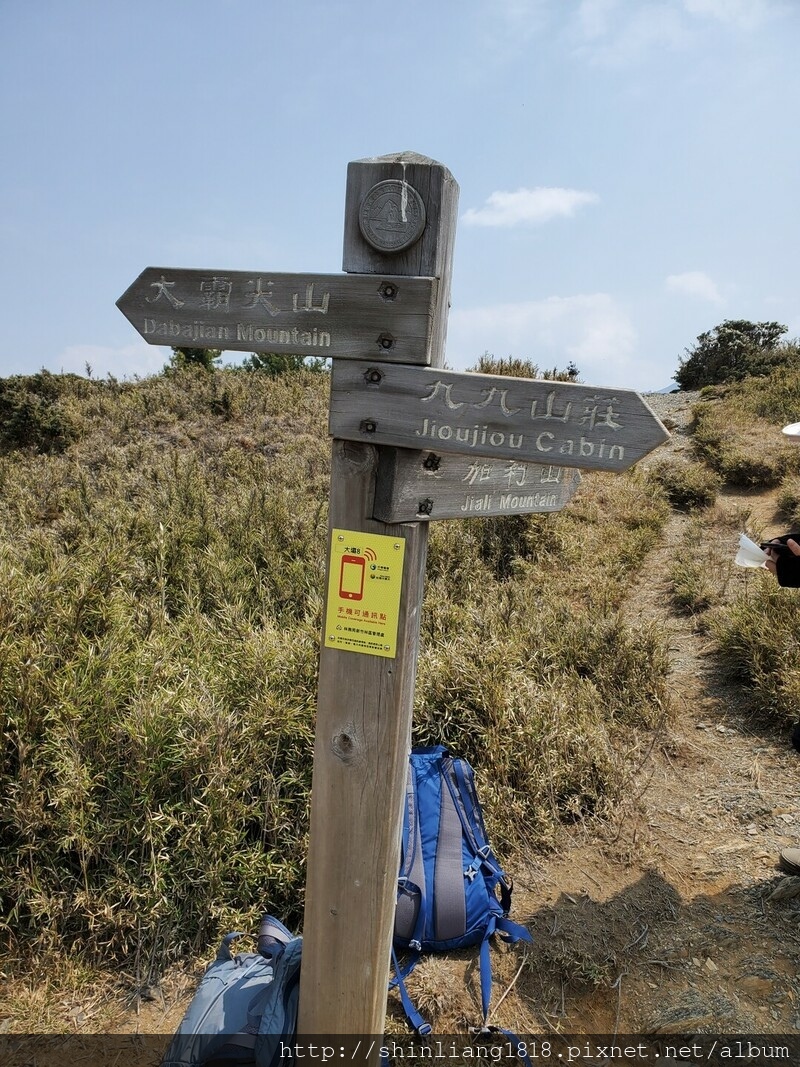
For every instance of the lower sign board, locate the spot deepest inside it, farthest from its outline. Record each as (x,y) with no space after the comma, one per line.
(524,419)
(426,485)
(365,578)
(346,315)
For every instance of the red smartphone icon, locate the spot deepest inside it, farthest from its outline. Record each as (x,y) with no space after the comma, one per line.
(351,578)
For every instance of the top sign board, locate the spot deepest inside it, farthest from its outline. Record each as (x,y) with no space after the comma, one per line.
(526,419)
(342,315)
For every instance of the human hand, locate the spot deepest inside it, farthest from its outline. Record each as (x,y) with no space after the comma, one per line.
(774,553)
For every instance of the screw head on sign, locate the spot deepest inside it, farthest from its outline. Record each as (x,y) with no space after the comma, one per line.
(425,506)
(386,341)
(368,426)
(432,462)
(372,376)
(388,291)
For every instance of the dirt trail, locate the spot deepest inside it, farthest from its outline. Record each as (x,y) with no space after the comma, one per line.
(676,918)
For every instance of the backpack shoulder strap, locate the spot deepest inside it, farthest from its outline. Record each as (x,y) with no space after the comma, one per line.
(460,781)
(412,908)
(279,1017)
(448,876)
(272,934)
(412,1014)
(510,932)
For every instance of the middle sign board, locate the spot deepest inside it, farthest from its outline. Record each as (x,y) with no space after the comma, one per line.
(526,419)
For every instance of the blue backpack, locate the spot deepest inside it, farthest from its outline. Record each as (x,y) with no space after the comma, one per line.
(449,877)
(244,1012)
(245,1009)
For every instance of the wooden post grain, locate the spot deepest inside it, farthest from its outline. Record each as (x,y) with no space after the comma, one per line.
(364,709)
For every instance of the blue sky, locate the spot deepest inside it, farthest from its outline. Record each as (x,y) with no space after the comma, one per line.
(628,168)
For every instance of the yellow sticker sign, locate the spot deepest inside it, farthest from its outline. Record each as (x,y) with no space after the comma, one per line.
(365,577)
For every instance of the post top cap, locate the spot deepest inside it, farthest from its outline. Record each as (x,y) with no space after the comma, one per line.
(414,158)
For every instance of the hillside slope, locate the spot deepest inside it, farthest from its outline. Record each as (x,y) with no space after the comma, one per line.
(666,914)
(671,916)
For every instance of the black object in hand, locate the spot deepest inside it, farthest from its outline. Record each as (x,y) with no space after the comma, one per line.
(787,564)
(778,544)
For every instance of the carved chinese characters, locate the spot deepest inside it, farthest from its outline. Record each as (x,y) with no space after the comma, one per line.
(358,317)
(520,418)
(428,485)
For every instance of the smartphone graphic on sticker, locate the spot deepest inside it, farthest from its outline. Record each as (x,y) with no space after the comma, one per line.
(351,578)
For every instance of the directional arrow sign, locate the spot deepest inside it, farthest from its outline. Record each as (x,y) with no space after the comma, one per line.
(524,419)
(425,485)
(354,316)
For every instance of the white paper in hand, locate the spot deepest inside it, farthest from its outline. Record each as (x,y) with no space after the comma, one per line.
(749,554)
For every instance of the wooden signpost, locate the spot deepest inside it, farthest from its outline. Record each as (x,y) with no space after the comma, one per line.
(411,442)
(364,709)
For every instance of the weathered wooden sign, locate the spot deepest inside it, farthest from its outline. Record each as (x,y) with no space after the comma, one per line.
(355,316)
(525,419)
(413,486)
(479,445)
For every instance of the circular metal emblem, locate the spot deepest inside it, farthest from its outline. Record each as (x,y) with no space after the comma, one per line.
(392,216)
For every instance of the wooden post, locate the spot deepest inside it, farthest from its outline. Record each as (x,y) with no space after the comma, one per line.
(400,219)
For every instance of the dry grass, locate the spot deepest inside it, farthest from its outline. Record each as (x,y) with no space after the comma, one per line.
(737,429)
(161,553)
(754,622)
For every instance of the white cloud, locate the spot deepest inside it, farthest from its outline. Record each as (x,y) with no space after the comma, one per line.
(741,14)
(507,26)
(695,283)
(122,362)
(620,32)
(594,16)
(521,16)
(590,329)
(528,206)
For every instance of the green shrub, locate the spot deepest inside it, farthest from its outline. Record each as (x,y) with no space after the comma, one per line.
(277,363)
(737,432)
(687,485)
(204,358)
(38,412)
(734,350)
(523,368)
(756,637)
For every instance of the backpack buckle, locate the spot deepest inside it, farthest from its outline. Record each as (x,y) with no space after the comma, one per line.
(481,856)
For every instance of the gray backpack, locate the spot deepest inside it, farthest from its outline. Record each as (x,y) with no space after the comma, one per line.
(244,1012)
